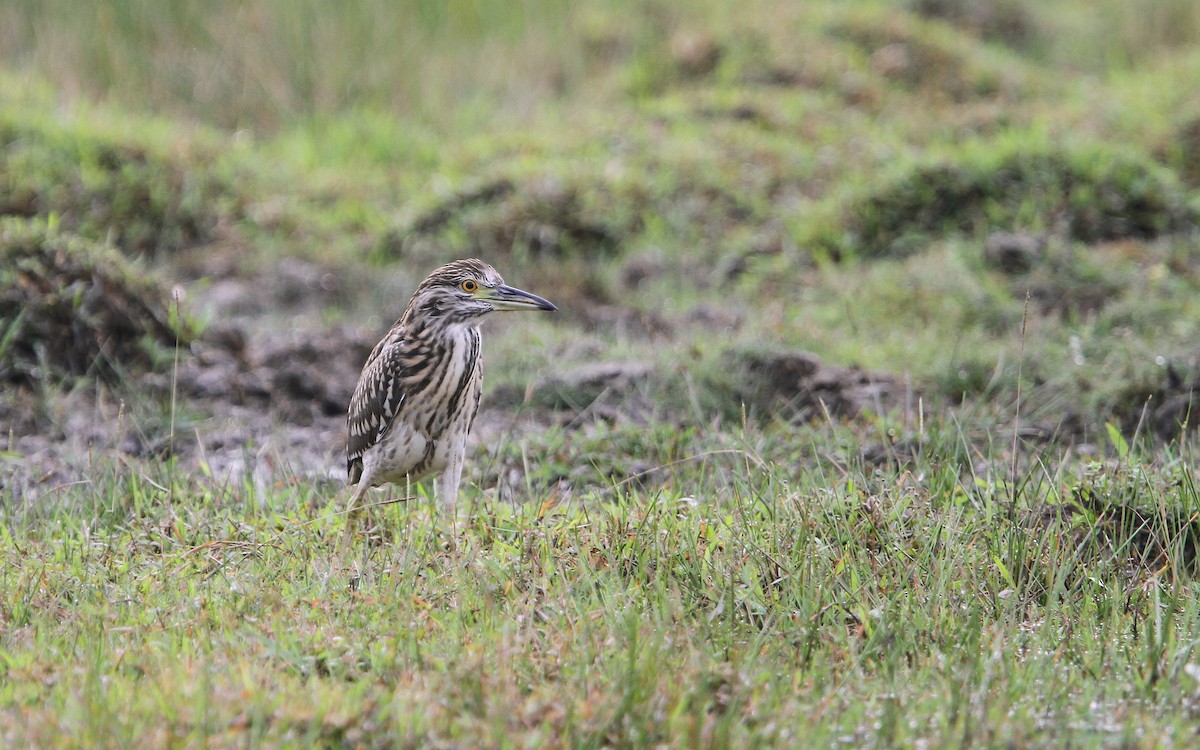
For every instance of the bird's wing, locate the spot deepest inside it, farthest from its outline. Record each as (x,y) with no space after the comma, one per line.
(377,399)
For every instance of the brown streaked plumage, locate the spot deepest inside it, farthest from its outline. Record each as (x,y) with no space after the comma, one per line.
(419,390)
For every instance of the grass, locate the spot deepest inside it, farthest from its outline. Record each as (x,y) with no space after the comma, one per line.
(747,603)
(1002,555)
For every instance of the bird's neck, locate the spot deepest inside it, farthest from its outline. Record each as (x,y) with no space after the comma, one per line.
(444,327)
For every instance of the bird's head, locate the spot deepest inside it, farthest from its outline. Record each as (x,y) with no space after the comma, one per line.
(464,290)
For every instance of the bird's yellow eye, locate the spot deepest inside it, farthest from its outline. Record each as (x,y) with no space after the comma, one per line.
(469,286)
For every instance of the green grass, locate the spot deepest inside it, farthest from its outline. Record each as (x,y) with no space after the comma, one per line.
(748,603)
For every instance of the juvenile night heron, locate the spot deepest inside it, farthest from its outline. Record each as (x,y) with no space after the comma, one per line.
(419,390)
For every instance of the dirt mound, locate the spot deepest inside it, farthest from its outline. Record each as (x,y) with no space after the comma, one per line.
(70,308)
(797,386)
(604,390)
(789,385)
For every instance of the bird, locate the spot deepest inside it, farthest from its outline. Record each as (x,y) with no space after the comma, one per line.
(419,390)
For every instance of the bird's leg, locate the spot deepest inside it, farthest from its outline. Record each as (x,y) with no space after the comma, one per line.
(448,482)
(354,509)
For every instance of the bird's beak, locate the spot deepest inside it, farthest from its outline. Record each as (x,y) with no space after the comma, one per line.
(505,297)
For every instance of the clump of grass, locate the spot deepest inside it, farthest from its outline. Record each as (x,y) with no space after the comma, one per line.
(71,307)
(1006,21)
(1183,148)
(1087,192)
(936,61)
(543,217)
(1139,518)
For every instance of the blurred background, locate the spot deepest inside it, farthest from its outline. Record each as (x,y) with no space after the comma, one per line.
(269,64)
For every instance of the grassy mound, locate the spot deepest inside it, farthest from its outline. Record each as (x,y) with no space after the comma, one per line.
(1088,193)
(1007,21)
(934,60)
(541,217)
(71,308)
(123,194)
(1184,148)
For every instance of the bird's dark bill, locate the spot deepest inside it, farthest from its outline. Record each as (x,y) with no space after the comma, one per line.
(506,297)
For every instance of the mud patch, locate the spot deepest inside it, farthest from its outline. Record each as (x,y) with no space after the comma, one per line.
(250,410)
(296,379)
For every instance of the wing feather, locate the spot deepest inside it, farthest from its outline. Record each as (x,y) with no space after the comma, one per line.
(376,402)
